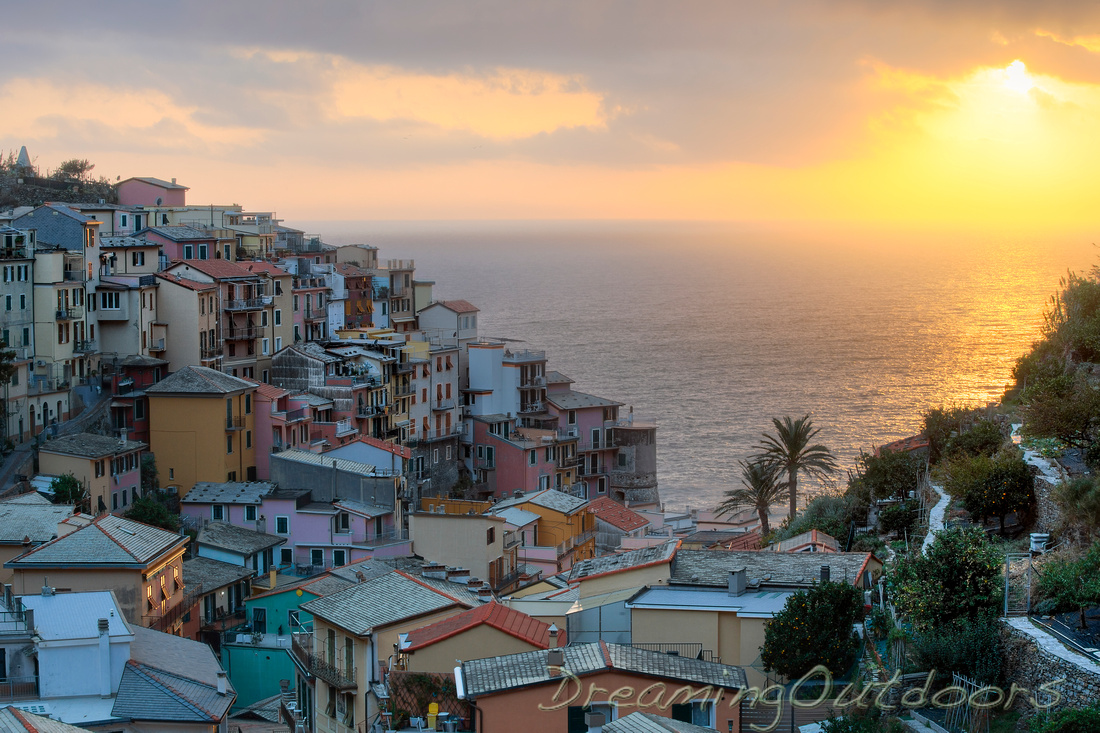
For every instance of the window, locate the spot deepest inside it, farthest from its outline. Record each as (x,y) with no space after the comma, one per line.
(448,453)
(339,557)
(278,317)
(227,252)
(247,438)
(601,485)
(263,319)
(317,557)
(22,301)
(292,619)
(490,535)
(228,444)
(203,251)
(137,259)
(286,557)
(572,417)
(7,302)
(265,346)
(217,512)
(278,343)
(435,456)
(282,525)
(188,251)
(378,526)
(164,219)
(171,473)
(343,522)
(139,409)
(248,404)
(532,458)
(109,301)
(250,513)
(125,220)
(114,502)
(124,497)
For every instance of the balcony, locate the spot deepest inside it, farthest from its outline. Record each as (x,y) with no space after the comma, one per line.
(342,677)
(166,621)
(366,411)
(568,462)
(295,415)
(403,390)
(524,356)
(84,346)
(249,333)
(588,469)
(443,405)
(210,353)
(18,688)
(404,367)
(314,314)
(430,436)
(489,464)
(73,313)
(40,385)
(236,422)
(576,541)
(247,304)
(345,427)
(156,346)
(75,276)
(531,382)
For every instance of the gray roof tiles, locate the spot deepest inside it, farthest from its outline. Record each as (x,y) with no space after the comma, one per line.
(378,602)
(712,567)
(511,671)
(180,233)
(107,541)
(199,380)
(90,445)
(624,560)
(71,616)
(558,500)
(641,722)
(573,400)
(36,522)
(14,720)
(236,539)
(228,492)
(212,574)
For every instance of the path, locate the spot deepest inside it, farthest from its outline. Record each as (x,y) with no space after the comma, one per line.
(1049,471)
(935,516)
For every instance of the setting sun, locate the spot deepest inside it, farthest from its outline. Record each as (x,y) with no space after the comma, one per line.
(1016,77)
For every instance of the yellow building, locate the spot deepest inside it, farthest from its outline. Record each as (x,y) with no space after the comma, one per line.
(202,428)
(565,533)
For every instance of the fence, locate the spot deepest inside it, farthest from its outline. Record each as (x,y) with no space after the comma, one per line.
(412,692)
(967,718)
(1018,576)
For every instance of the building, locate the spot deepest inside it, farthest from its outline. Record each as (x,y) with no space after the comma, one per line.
(17,307)
(529,687)
(26,523)
(614,522)
(564,535)
(183,408)
(186,302)
(108,468)
(148,191)
(475,541)
(140,564)
(235,545)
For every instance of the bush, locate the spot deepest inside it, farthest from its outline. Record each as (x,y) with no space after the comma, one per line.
(814,627)
(1070,720)
(899,518)
(867,720)
(991,486)
(1079,503)
(1072,584)
(67,489)
(890,474)
(832,515)
(971,647)
(983,438)
(150,510)
(939,423)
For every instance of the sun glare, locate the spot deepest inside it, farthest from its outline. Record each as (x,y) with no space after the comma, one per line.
(1016,77)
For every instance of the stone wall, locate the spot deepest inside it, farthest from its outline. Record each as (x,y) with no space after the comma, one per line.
(1033,657)
(1047,514)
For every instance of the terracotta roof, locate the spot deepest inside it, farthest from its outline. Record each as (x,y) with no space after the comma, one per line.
(813,538)
(264,266)
(509,620)
(912,443)
(349,270)
(399,450)
(269,391)
(608,510)
(190,284)
(214,268)
(458,306)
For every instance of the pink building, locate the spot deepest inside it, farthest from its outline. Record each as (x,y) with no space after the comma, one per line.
(509,459)
(148,191)
(184,243)
(590,419)
(282,421)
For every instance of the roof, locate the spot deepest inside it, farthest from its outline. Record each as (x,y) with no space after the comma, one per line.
(313,400)
(180,233)
(190,284)
(641,722)
(32,522)
(212,574)
(513,671)
(301,456)
(813,537)
(905,445)
(558,501)
(70,616)
(570,399)
(236,539)
(90,445)
(270,391)
(380,601)
(515,516)
(398,450)
(172,679)
(268,268)
(155,182)
(220,269)
(643,557)
(106,541)
(228,492)
(358,507)
(313,351)
(458,306)
(349,270)
(751,604)
(14,720)
(502,618)
(32,498)
(554,377)
(712,567)
(618,516)
(141,360)
(199,380)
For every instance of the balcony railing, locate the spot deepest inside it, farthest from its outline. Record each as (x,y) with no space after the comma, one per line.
(429,436)
(243,334)
(575,541)
(75,276)
(73,313)
(18,688)
(236,422)
(404,367)
(369,410)
(84,346)
(295,415)
(247,304)
(210,353)
(488,464)
(523,355)
(344,427)
(313,314)
(166,621)
(381,293)
(567,462)
(444,404)
(403,390)
(530,382)
(156,346)
(341,677)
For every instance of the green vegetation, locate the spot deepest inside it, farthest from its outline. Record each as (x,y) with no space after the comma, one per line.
(959,576)
(760,490)
(1070,720)
(983,438)
(814,627)
(150,477)
(971,647)
(1071,584)
(863,720)
(940,423)
(791,451)
(1079,501)
(67,489)
(900,518)
(829,514)
(991,486)
(888,475)
(151,510)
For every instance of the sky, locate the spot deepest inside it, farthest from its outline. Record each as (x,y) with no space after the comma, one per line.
(932,113)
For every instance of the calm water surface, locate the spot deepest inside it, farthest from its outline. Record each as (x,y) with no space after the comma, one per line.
(714,331)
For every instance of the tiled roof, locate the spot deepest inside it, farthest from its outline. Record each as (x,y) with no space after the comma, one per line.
(367,569)
(367,510)
(55,224)
(313,400)
(378,602)
(189,284)
(458,306)
(222,269)
(169,678)
(212,574)
(515,516)
(160,182)
(270,391)
(228,492)
(199,380)
(90,445)
(14,720)
(813,537)
(640,558)
(263,266)
(641,722)
(303,456)
(573,400)
(230,537)
(553,377)
(510,621)
(309,348)
(142,361)
(498,674)
(31,497)
(608,510)
(349,270)
(34,522)
(912,443)
(180,233)
(107,541)
(398,450)
(712,567)
(558,501)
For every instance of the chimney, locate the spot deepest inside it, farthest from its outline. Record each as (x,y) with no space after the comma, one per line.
(595,722)
(553,636)
(737,582)
(46,589)
(458,574)
(471,583)
(485,593)
(824,573)
(555,660)
(104,658)
(434,570)
(221,682)
(271,578)
(173,180)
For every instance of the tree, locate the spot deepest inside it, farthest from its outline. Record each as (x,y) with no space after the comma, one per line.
(889,474)
(832,515)
(760,490)
(814,627)
(790,451)
(959,576)
(150,510)
(77,168)
(1073,584)
(7,363)
(67,489)
(982,438)
(1065,407)
(150,477)
(1006,487)
(971,647)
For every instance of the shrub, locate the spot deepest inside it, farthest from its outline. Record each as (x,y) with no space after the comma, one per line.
(889,474)
(971,647)
(832,515)
(1073,584)
(1079,503)
(1070,720)
(991,486)
(899,518)
(67,489)
(982,438)
(814,627)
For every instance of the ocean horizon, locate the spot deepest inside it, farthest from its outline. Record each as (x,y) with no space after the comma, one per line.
(715,329)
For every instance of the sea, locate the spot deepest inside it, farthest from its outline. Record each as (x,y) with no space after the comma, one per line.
(716,329)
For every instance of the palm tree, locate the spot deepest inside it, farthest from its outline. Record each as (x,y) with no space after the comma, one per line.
(790,451)
(760,490)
